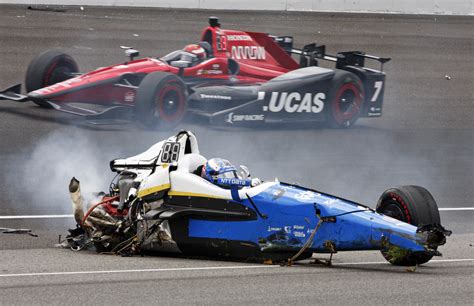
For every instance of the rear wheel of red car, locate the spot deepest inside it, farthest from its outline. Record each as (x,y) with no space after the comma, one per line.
(346,97)
(160,102)
(414,205)
(49,68)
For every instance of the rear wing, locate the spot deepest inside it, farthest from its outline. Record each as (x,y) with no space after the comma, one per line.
(311,53)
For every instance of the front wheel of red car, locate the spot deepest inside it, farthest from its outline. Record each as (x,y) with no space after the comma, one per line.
(160,102)
(346,98)
(48,68)
(414,205)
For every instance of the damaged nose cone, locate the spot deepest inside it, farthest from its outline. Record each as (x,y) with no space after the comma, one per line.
(73,185)
(77,200)
(435,234)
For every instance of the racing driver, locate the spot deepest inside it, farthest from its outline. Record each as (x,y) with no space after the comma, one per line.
(222,173)
(193,54)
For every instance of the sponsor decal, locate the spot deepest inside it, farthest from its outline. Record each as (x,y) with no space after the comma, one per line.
(217,97)
(306,195)
(216,66)
(233,182)
(375,111)
(299,234)
(231,118)
(298,227)
(287,229)
(120,67)
(73,80)
(331,201)
(129,96)
(208,72)
(292,102)
(57,86)
(239,38)
(248,52)
(277,193)
(271,229)
(42,91)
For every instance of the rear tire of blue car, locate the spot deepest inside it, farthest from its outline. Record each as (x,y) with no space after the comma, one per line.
(160,102)
(48,68)
(414,205)
(346,98)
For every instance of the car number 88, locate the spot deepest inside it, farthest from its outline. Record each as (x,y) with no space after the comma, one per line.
(170,152)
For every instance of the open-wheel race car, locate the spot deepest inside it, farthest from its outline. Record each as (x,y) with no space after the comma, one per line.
(161,201)
(230,78)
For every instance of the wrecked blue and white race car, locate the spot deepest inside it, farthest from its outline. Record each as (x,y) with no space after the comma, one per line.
(171,199)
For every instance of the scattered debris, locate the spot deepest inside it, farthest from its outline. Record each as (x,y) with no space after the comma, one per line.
(82,8)
(77,200)
(6,230)
(323,261)
(411,269)
(62,244)
(47,8)
(395,253)
(136,35)
(20,16)
(447,77)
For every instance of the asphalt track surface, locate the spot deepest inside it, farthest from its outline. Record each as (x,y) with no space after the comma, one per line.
(425,137)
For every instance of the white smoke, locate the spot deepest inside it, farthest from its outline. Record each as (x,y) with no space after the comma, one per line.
(358,163)
(55,160)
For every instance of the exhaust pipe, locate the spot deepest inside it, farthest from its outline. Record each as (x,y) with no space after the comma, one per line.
(77,200)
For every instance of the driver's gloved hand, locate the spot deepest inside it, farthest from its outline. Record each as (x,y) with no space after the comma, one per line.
(255,181)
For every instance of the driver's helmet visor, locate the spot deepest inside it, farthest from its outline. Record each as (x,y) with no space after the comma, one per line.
(220,168)
(231,173)
(188,57)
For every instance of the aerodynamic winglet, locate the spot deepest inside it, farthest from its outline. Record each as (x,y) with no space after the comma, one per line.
(13,93)
(96,114)
(112,115)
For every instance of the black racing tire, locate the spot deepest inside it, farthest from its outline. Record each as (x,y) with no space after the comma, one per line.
(161,101)
(414,205)
(346,98)
(48,68)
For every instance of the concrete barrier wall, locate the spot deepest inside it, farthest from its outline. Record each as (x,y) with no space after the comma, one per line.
(442,7)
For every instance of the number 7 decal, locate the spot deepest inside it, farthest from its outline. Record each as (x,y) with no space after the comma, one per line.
(378,87)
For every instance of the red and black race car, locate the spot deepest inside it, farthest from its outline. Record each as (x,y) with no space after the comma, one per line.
(243,78)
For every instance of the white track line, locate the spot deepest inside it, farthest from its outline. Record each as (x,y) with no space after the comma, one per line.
(71,216)
(139,270)
(384,262)
(205,268)
(36,217)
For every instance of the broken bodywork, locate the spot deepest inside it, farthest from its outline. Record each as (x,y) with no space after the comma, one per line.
(158,203)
